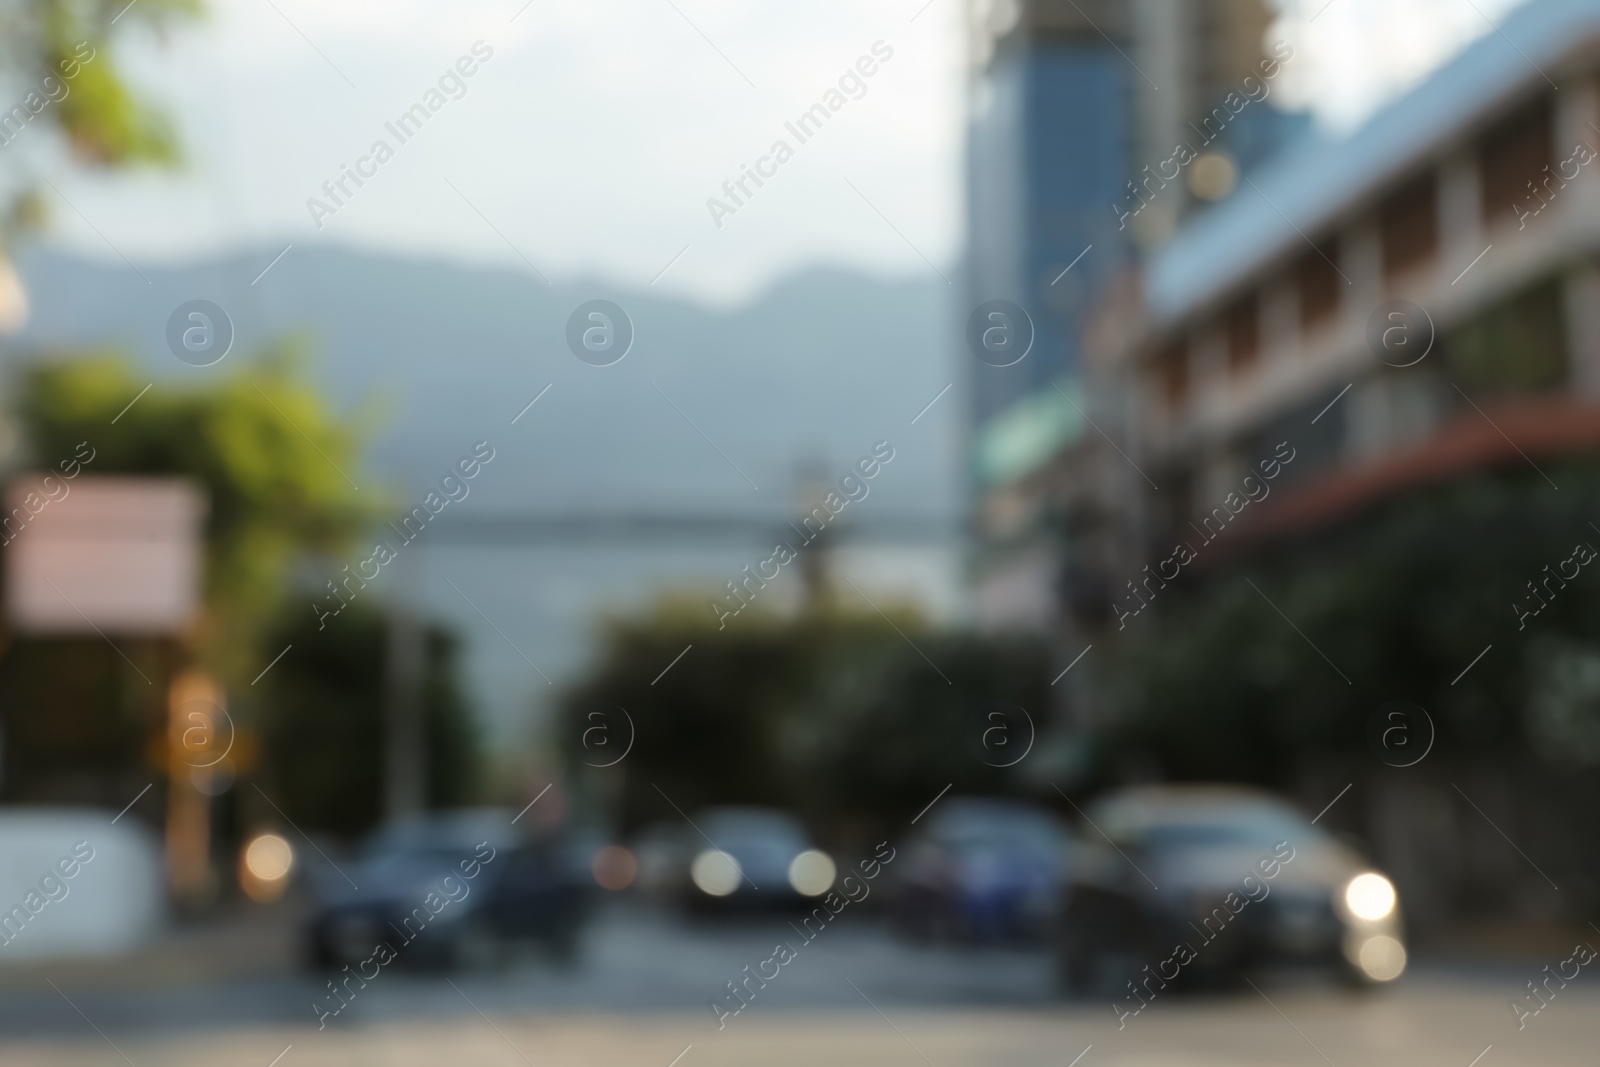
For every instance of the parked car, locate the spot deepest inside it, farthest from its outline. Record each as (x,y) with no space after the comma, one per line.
(1193,882)
(734,859)
(983,870)
(450,889)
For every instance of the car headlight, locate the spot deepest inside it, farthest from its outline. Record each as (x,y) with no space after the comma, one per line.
(1381,958)
(1370,896)
(811,873)
(715,873)
(264,867)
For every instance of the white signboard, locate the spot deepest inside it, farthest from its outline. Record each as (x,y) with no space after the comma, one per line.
(117,555)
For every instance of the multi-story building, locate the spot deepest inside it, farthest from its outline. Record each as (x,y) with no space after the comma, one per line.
(1410,303)
(1048,149)
(1073,101)
(1275,315)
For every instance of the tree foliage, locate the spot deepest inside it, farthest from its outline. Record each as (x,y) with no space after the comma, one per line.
(260,442)
(326,738)
(272,459)
(102,117)
(1393,604)
(830,714)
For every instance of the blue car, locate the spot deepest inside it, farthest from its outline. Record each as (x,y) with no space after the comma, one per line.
(983,870)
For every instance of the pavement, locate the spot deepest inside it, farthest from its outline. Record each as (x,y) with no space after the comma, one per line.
(639,996)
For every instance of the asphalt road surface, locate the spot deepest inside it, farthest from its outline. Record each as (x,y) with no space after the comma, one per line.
(639,995)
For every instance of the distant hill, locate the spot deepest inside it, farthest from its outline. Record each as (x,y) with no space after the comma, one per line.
(814,370)
(818,367)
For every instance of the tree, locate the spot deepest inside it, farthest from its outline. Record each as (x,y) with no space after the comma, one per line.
(829,714)
(272,459)
(259,441)
(325,736)
(59,71)
(1399,599)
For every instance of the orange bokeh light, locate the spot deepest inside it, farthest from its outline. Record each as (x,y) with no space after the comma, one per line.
(614,867)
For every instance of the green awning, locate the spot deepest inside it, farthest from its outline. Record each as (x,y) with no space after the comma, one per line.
(1025,436)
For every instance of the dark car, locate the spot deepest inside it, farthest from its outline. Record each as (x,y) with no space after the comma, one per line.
(735,859)
(1184,883)
(448,890)
(983,870)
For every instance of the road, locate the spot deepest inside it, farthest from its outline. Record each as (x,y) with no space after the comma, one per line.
(853,995)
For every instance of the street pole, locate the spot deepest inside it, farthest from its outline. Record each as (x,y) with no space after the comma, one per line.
(195,715)
(405,777)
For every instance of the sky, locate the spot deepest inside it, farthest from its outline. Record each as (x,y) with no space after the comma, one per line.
(589,143)
(1353,55)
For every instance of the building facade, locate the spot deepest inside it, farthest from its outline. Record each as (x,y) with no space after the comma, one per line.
(1073,103)
(1415,300)
(1408,305)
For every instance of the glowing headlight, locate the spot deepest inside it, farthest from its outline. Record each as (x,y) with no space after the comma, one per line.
(1381,958)
(715,873)
(811,873)
(264,867)
(1369,896)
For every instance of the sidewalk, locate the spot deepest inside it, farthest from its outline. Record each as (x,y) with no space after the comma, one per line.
(239,941)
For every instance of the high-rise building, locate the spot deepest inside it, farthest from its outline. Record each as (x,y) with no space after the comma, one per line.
(1075,105)
(1048,153)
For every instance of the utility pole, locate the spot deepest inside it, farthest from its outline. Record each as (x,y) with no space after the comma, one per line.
(405,763)
(199,733)
(810,487)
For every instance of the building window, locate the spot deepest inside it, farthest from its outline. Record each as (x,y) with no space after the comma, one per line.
(1317,446)
(1317,278)
(1512,154)
(1244,334)
(1409,225)
(1518,346)
(1172,368)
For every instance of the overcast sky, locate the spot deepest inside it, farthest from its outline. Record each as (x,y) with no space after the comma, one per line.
(591,140)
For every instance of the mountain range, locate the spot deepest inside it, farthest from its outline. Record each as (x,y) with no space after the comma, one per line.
(712,411)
